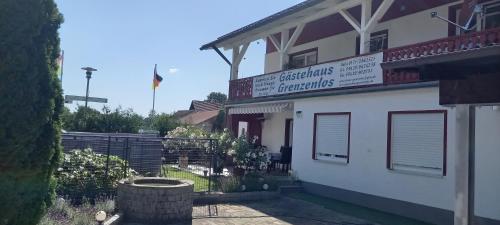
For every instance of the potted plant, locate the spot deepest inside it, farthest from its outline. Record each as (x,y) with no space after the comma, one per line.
(183,160)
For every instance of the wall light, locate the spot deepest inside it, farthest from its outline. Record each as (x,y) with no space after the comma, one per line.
(298,114)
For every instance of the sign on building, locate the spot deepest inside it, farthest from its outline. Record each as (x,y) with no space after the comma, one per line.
(358,71)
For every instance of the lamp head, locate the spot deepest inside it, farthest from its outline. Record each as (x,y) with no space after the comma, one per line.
(433,14)
(89,71)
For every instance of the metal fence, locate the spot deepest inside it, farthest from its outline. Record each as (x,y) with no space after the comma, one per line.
(191,159)
(147,155)
(141,153)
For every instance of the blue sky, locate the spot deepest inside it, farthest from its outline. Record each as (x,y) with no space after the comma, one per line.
(123,39)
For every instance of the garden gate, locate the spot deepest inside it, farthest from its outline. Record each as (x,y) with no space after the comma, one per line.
(191,159)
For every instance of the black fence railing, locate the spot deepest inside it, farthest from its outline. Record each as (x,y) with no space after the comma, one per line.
(141,153)
(121,155)
(100,160)
(191,159)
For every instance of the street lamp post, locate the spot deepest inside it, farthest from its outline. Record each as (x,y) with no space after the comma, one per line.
(88,72)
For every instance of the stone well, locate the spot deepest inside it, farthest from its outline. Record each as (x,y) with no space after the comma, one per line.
(155,200)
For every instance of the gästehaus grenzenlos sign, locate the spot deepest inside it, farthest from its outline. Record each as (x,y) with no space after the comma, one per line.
(352,72)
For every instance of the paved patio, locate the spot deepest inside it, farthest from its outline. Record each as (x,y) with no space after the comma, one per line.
(277,212)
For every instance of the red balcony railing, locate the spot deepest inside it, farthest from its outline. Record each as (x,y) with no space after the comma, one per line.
(242,88)
(444,45)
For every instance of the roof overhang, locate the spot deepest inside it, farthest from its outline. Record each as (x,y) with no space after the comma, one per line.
(302,13)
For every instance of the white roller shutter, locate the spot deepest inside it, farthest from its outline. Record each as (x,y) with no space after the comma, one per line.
(332,137)
(417,141)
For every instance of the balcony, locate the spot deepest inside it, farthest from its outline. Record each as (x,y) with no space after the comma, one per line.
(406,64)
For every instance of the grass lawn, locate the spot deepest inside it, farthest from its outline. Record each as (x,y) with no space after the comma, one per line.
(357,211)
(200,182)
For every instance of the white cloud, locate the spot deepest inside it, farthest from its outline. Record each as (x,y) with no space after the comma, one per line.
(173,70)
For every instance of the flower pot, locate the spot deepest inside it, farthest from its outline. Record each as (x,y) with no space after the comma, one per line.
(183,162)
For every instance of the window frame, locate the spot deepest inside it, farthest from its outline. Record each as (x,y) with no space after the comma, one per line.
(304,52)
(485,5)
(377,33)
(316,115)
(389,136)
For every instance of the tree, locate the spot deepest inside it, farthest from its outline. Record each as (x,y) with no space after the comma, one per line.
(217,97)
(121,121)
(219,121)
(30,107)
(162,123)
(84,120)
(106,121)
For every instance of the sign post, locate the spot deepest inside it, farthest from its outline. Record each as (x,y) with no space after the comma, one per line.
(88,73)
(70,98)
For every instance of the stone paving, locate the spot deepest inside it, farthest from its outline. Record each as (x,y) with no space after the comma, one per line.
(281,211)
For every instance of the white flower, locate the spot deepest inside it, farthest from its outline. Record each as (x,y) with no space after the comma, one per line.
(265,187)
(254,156)
(243,187)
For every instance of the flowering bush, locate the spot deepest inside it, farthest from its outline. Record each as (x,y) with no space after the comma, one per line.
(248,155)
(224,142)
(182,138)
(83,175)
(188,132)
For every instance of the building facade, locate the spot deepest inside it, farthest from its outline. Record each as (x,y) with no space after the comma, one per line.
(383,102)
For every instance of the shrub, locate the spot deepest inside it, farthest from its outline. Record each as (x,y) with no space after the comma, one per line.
(105,121)
(30,106)
(252,182)
(83,175)
(188,132)
(64,213)
(249,156)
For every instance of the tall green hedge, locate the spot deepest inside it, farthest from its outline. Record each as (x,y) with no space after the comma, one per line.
(30,104)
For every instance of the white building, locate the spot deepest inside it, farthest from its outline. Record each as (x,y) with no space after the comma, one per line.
(384,105)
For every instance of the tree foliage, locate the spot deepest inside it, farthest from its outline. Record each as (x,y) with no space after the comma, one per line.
(220,121)
(30,107)
(217,97)
(164,123)
(105,121)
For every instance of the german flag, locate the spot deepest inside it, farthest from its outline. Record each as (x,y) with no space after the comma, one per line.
(156,79)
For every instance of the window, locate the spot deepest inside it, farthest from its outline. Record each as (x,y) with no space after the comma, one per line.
(332,136)
(488,20)
(417,141)
(491,17)
(303,59)
(378,41)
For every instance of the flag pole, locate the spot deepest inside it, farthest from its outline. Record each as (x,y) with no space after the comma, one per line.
(154,88)
(154,96)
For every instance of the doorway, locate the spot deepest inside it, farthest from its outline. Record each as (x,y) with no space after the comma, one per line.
(289,133)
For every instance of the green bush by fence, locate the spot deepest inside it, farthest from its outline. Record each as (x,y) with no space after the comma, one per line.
(87,175)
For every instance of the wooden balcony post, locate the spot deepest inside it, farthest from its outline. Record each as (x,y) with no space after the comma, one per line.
(238,53)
